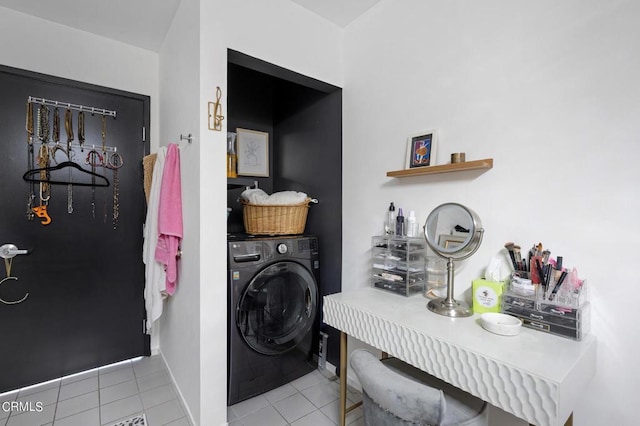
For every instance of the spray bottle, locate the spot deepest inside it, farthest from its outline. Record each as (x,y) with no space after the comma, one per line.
(390,224)
(400,225)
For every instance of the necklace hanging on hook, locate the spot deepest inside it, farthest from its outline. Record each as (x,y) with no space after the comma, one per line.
(31,196)
(81,137)
(115,162)
(68,127)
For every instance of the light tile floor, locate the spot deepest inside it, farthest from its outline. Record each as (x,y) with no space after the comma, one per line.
(312,400)
(98,397)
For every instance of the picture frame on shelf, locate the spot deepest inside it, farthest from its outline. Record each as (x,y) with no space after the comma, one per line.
(252,152)
(421,150)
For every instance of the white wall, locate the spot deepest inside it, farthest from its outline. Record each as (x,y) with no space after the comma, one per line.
(179,327)
(287,35)
(46,47)
(549,90)
(181,80)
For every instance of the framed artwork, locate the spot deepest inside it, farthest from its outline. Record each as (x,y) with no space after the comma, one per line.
(451,241)
(252,152)
(421,150)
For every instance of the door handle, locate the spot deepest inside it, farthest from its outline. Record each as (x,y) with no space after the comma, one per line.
(8,251)
(251,257)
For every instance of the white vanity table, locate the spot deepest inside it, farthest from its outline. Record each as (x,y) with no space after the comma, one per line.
(535,376)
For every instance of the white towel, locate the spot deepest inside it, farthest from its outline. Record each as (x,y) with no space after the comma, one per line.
(154,272)
(282,198)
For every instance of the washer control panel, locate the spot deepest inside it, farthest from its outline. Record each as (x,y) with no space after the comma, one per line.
(253,251)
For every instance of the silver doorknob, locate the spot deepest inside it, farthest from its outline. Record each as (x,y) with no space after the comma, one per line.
(8,251)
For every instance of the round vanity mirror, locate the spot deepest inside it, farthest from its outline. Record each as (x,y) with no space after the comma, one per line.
(454,232)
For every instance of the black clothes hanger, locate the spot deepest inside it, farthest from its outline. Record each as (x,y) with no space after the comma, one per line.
(34,175)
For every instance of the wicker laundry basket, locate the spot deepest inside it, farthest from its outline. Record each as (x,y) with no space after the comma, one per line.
(275,219)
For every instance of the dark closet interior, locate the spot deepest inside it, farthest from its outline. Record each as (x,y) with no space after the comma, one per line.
(303,117)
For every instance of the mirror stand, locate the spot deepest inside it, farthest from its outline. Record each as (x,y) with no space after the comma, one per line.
(442,222)
(448,306)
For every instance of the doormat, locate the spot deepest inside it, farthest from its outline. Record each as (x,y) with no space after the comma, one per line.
(139,420)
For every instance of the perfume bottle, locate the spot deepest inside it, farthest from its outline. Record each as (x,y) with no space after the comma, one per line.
(400,225)
(390,224)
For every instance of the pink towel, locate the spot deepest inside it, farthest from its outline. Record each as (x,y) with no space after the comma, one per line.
(170,217)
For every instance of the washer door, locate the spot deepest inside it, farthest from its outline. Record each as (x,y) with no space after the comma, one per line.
(277,308)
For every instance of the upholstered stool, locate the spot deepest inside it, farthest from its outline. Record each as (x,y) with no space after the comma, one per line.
(395,393)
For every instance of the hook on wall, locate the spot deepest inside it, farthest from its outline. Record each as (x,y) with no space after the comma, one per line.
(215,112)
(188,138)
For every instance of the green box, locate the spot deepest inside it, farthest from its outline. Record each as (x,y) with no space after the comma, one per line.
(487,296)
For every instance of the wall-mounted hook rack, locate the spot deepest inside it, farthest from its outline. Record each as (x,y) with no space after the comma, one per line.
(188,138)
(92,110)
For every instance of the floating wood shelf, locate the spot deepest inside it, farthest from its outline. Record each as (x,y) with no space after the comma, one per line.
(485,164)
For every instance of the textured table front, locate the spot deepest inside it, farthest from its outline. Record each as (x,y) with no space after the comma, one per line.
(535,376)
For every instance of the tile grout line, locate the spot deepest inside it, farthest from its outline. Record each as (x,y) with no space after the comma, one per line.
(99,401)
(135,377)
(300,392)
(55,410)
(145,372)
(328,380)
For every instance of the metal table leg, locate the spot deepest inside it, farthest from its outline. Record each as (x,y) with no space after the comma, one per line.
(343,378)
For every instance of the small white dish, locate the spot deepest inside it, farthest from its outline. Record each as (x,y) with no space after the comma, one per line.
(502,324)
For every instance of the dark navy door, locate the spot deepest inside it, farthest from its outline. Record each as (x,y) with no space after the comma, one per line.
(75,301)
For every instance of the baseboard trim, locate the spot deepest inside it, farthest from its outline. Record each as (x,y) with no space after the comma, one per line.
(177,388)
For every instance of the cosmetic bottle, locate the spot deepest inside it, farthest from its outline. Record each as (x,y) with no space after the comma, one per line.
(400,231)
(231,156)
(390,224)
(412,225)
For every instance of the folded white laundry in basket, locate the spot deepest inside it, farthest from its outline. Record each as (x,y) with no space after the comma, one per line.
(282,198)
